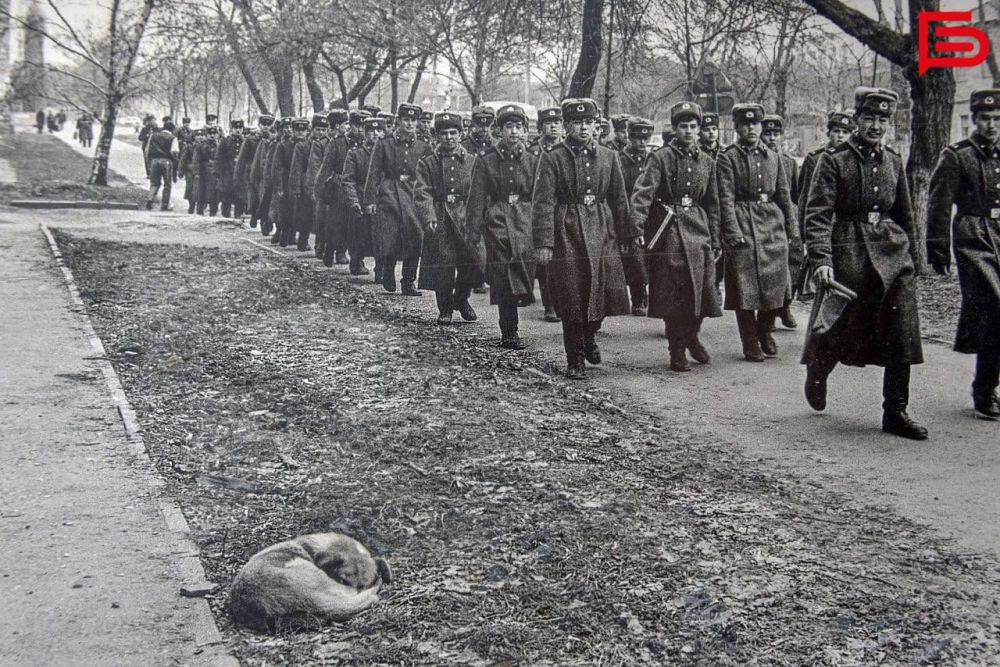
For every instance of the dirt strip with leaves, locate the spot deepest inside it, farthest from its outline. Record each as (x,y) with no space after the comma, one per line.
(527,519)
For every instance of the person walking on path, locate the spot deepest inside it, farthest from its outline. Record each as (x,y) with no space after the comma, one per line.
(636,134)
(448,263)
(860,234)
(161,152)
(225,170)
(581,227)
(389,193)
(773,136)
(353,182)
(680,180)
(759,229)
(967,175)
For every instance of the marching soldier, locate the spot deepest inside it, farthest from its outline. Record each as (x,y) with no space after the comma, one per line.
(619,123)
(448,263)
(680,179)
(759,229)
(633,157)
(188,170)
(774,132)
(330,204)
(839,126)
(389,196)
(606,133)
(299,188)
(968,176)
(390,120)
(282,198)
(269,215)
(184,133)
(581,226)
(860,232)
(244,167)
(317,150)
(256,182)
(225,169)
(353,183)
(550,130)
(708,136)
(424,126)
(479,141)
(206,195)
(499,213)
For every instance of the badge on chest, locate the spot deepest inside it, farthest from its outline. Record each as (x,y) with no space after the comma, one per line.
(995,214)
(686,200)
(513,199)
(588,200)
(874,218)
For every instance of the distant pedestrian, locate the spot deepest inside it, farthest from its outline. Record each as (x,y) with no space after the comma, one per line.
(161,154)
(85,129)
(40,120)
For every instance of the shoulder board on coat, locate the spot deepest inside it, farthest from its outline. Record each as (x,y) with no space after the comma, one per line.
(816,152)
(959,145)
(893,150)
(730,148)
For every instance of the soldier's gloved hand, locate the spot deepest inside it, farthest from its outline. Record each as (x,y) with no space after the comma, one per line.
(543,255)
(941,268)
(432,226)
(356,208)
(371,209)
(824,275)
(716,254)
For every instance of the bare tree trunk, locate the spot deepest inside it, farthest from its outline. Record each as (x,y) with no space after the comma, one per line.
(284,88)
(99,167)
(585,74)
(394,81)
(607,63)
(315,92)
(991,58)
(415,85)
(232,38)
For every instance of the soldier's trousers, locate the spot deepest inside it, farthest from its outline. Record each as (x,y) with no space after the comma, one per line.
(230,203)
(507,310)
(161,173)
(410,266)
(304,208)
(576,336)
(987,372)
(264,212)
(895,377)
(681,330)
(543,284)
(208,196)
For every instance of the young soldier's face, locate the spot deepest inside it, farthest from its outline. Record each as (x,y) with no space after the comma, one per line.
(449,139)
(407,125)
(552,129)
(512,130)
(772,139)
(638,142)
(687,131)
(838,136)
(749,133)
(872,127)
(300,134)
(710,134)
(988,124)
(479,130)
(424,125)
(581,130)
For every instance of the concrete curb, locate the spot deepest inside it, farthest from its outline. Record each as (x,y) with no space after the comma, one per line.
(211,646)
(52,203)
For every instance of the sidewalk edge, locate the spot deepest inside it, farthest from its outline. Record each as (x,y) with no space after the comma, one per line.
(211,646)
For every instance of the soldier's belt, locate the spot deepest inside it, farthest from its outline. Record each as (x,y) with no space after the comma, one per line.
(507,199)
(404,178)
(989,214)
(587,200)
(453,197)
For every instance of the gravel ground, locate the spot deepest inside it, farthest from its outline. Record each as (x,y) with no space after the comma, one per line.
(526,519)
(940,298)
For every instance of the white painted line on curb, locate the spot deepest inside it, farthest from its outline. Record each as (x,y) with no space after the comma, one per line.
(207,636)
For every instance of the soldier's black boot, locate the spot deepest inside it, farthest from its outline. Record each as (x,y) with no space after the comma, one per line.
(984,396)
(378,270)
(747,325)
(462,305)
(694,346)
(788,318)
(677,344)
(550,314)
(573,338)
(409,289)
(342,257)
(640,299)
(509,339)
(815,389)
(444,305)
(896,394)
(765,325)
(389,275)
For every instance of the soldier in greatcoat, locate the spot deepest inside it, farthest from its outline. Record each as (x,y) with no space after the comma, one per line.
(255,177)
(479,140)
(679,179)
(968,176)
(187,168)
(860,233)
(550,135)
(839,126)
(708,136)
(353,183)
(448,262)
(759,230)
(425,126)
(206,193)
(244,168)
(619,123)
(638,132)
(225,168)
(330,204)
(282,198)
(499,213)
(269,215)
(317,150)
(773,137)
(389,196)
(299,188)
(581,226)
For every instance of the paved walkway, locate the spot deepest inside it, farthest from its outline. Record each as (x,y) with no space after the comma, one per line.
(89,572)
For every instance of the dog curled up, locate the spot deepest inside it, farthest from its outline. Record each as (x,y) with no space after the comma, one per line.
(306,582)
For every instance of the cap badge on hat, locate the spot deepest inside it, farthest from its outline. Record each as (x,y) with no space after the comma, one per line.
(552,112)
(579,107)
(989,100)
(883,105)
(749,114)
(685,106)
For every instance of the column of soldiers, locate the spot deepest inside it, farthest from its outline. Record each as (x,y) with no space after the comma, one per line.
(608,226)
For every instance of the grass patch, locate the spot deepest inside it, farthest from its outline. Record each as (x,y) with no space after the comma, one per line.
(46,168)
